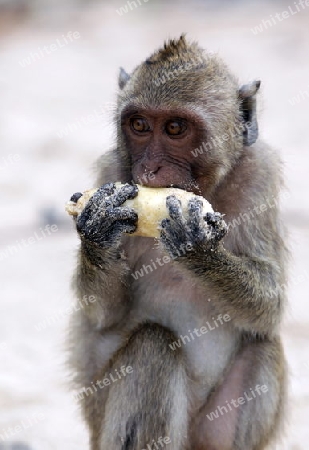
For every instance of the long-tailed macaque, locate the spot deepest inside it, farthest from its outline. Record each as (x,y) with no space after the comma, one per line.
(180,346)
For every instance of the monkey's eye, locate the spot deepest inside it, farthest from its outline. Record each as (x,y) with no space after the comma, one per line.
(175,127)
(139,124)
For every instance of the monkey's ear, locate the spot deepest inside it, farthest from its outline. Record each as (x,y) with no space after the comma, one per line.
(247,94)
(123,78)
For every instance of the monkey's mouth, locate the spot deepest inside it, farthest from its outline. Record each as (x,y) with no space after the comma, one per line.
(189,187)
(155,183)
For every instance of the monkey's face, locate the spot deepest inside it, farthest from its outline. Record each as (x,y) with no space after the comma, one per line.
(159,143)
(180,119)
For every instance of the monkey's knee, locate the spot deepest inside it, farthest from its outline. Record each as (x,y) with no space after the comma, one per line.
(149,405)
(244,412)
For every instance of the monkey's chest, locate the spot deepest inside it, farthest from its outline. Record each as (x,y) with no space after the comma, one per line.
(168,295)
(162,288)
(165,293)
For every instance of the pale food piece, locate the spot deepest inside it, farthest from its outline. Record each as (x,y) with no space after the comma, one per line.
(150,205)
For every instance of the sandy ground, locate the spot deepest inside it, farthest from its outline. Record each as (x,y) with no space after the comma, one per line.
(43,160)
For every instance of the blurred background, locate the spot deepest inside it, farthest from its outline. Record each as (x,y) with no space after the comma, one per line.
(59,63)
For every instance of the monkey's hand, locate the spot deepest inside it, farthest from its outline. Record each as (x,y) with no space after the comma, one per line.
(103,220)
(199,233)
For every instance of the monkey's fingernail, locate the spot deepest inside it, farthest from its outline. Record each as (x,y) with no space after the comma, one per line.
(164,223)
(75,197)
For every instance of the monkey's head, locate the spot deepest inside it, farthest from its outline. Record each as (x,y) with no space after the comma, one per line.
(181,118)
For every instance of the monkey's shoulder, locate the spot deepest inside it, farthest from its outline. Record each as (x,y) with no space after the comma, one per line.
(256,176)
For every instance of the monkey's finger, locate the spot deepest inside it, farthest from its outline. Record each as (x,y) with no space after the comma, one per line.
(178,222)
(195,215)
(108,188)
(118,229)
(94,211)
(121,214)
(127,226)
(174,208)
(74,198)
(88,219)
(105,190)
(213,218)
(126,192)
(217,224)
(172,235)
(116,222)
(100,199)
(166,238)
(217,221)
(171,247)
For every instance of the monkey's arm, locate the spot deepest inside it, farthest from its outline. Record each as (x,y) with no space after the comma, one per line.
(252,294)
(248,286)
(108,285)
(101,270)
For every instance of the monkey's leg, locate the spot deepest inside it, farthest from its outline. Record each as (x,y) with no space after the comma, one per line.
(149,405)
(244,412)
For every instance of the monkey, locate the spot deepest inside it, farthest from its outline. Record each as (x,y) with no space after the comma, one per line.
(219,389)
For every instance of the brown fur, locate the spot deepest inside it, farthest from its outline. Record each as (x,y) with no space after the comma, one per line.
(133,321)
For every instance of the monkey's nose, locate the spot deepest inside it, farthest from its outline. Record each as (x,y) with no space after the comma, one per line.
(152,168)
